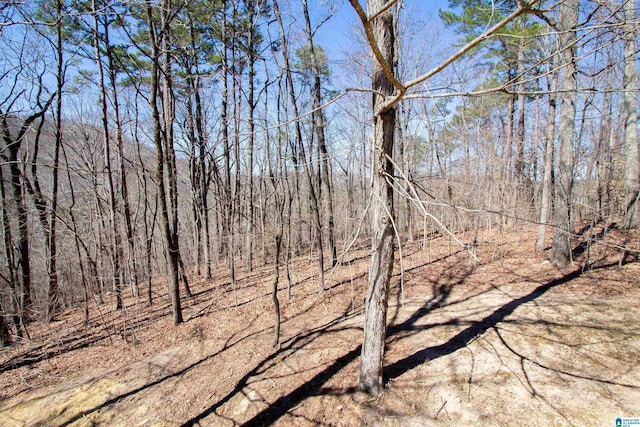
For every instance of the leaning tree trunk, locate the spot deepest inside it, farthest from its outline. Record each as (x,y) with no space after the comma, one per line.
(561,246)
(630,83)
(382,244)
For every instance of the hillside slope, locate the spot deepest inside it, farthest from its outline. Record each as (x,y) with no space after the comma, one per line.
(510,340)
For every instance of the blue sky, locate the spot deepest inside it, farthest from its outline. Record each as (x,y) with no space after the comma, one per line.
(336,35)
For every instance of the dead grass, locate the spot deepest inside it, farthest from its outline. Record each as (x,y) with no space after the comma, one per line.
(510,340)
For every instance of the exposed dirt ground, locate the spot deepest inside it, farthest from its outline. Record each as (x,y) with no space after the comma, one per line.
(508,341)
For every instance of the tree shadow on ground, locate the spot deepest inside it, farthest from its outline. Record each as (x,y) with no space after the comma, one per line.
(523,358)
(314,386)
(476,328)
(293,345)
(108,323)
(105,326)
(587,239)
(282,405)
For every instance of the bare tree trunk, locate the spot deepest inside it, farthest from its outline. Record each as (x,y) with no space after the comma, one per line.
(227,193)
(547,180)
(318,126)
(567,24)
(162,140)
(149,225)
(113,223)
(274,289)
(519,165)
(77,241)
(509,157)
(603,161)
(13,144)
(299,144)
(148,239)
(279,206)
(194,170)
(404,151)
(204,177)
(236,99)
(630,84)
(124,186)
(168,108)
(11,266)
(100,231)
(5,339)
(183,277)
(251,44)
(236,207)
(53,294)
(204,213)
(382,240)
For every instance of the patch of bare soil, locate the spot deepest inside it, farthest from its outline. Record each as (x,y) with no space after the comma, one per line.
(507,340)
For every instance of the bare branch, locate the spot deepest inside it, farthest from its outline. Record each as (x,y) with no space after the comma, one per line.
(366,24)
(524,8)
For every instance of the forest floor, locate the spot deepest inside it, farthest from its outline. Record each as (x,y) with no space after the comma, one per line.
(510,340)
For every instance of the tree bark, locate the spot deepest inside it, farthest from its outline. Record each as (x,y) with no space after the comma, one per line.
(204,171)
(53,292)
(547,180)
(382,241)
(22,259)
(630,84)
(168,108)
(562,231)
(163,140)
(603,161)
(274,289)
(11,267)
(124,186)
(520,167)
(252,54)
(77,241)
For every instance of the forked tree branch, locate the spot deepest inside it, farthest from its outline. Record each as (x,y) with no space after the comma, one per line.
(524,6)
(373,43)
